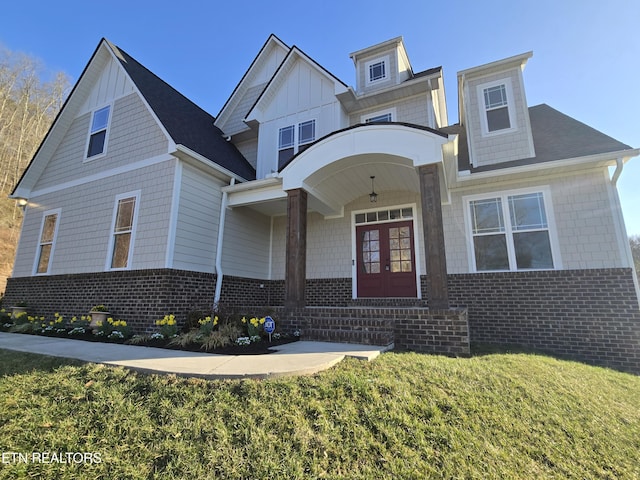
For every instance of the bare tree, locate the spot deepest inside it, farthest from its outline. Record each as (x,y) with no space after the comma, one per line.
(28,105)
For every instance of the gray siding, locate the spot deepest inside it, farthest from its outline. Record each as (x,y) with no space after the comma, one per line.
(246,244)
(133,135)
(196,233)
(85,220)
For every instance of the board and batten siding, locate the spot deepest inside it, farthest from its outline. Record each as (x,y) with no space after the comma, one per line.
(134,135)
(196,234)
(85,222)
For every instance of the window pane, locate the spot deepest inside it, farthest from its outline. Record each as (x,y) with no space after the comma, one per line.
(527,212)
(372,217)
(124,219)
(376,71)
(48,228)
(407,213)
(533,250)
(286,137)
(491,252)
(384,215)
(96,143)
(498,119)
(307,132)
(379,118)
(495,96)
(100,119)
(284,156)
(486,216)
(121,250)
(360,218)
(43,261)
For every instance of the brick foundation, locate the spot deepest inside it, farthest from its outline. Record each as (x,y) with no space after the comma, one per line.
(588,315)
(138,296)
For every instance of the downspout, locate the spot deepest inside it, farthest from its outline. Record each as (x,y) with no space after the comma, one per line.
(221,224)
(614,182)
(618,172)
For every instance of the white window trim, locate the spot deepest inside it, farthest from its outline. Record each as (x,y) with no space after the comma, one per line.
(58,212)
(416,242)
(387,70)
(296,135)
(511,108)
(504,194)
(134,227)
(379,113)
(87,158)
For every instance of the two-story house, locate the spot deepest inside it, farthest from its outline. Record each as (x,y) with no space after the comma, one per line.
(357,213)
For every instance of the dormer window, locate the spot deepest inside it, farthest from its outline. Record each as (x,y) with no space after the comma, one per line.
(495,101)
(377,70)
(98,132)
(496,107)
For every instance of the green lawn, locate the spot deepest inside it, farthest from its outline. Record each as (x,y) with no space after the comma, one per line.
(404,415)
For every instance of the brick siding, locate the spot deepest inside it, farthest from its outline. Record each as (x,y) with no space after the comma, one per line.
(588,315)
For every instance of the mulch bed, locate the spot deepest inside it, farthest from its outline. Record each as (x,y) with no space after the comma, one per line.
(256,348)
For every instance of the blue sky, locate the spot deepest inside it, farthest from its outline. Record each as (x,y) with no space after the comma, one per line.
(586,54)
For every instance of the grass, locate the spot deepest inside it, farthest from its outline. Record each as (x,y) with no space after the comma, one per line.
(404,415)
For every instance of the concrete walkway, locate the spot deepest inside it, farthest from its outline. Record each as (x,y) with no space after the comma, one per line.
(297,358)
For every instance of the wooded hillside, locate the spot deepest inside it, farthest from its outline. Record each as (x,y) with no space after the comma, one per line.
(28,105)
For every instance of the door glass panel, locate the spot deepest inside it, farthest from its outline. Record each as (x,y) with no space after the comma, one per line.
(400,249)
(371,251)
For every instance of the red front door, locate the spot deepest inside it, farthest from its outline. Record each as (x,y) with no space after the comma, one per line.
(386,260)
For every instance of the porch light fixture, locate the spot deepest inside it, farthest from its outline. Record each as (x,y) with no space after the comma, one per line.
(22,203)
(373,196)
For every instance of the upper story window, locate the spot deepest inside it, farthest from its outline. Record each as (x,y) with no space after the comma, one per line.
(511,232)
(377,70)
(292,140)
(98,132)
(497,112)
(48,235)
(380,116)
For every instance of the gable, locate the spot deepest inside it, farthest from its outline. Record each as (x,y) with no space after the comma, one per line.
(231,118)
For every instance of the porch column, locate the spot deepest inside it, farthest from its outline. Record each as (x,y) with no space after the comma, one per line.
(433,237)
(296,266)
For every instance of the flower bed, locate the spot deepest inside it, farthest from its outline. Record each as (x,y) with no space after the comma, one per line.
(232,336)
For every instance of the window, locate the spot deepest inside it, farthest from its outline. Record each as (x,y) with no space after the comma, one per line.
(511,232)
(386,117)
(496,107)
(377,71)
(98,132)
(47,240)
(286,143)
(289,144)
(123,230)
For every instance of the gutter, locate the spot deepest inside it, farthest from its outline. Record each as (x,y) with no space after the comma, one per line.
(221,224)
(618,172)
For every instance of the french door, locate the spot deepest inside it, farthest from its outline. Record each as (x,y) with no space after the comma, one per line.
(386,260)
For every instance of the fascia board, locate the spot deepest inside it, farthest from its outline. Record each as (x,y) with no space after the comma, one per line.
(601,159)
(186,154)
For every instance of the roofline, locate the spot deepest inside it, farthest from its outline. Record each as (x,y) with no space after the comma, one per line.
(264,46)
(58,115)
(391,41)
(292,51)
(607,157)
(208,162)
(521,58)
(358,125)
